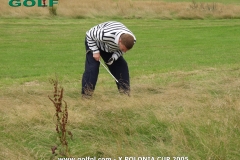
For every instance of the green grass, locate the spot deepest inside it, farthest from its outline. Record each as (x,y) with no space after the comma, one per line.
(184,81)
(200,44)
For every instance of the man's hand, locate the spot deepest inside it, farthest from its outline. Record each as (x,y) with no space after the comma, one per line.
(110,61)
(96,56)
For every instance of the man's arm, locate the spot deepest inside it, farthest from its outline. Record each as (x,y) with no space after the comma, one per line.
(94,35)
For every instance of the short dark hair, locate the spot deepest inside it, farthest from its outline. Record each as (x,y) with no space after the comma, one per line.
(127,40)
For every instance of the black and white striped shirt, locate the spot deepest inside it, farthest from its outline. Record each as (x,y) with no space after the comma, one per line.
(105,37)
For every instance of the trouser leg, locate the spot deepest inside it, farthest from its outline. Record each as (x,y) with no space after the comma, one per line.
(119,70)
(90,75)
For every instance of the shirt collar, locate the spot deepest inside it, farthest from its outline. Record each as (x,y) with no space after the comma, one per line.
(118,36)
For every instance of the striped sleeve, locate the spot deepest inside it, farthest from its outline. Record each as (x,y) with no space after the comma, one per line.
(94,35)
(117,54)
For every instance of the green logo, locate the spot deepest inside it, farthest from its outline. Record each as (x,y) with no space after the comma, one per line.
(31,3)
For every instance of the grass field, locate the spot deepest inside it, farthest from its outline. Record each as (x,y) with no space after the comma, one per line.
(185,77)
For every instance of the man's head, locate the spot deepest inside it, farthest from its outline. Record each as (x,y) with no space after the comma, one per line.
(126,42)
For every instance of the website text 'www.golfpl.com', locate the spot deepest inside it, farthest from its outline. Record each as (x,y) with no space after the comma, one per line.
(129,158)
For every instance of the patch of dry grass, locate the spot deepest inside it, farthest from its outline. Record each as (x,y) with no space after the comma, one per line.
(127,9)
(200,108)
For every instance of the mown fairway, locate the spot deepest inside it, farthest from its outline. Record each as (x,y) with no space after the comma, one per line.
(185,81)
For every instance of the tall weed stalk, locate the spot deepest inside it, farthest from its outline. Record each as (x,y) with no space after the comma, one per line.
(61,116)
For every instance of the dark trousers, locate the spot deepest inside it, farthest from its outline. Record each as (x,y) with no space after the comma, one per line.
(119,70)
